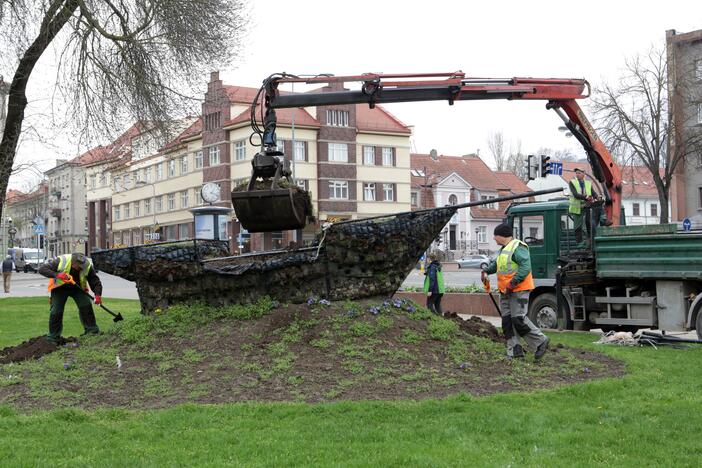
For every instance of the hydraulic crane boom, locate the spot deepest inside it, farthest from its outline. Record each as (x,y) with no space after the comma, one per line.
(560,94)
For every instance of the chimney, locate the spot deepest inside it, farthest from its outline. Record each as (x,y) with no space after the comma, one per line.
(214,76)
(434,155)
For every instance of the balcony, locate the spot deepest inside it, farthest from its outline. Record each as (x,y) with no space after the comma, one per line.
(56,213)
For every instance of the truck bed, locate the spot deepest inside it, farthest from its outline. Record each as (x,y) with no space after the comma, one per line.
(648,252)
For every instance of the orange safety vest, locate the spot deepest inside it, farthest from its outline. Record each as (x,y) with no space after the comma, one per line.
(65,267)
(507,268)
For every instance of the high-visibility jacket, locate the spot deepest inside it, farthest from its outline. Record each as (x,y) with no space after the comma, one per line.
(65,267)
(507,268)
(576,205)
(439,278)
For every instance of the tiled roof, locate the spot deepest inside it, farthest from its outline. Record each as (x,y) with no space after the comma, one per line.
(470,167)
(240,94)
(510,179)
(193,130)
(378,119)
(91,156)
(285,117)
(13,195)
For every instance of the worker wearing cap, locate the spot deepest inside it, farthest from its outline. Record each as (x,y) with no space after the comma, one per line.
(515,282)
(581,192)
(69,276)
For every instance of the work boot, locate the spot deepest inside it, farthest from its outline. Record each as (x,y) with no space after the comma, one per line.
(541,349)
(518,352)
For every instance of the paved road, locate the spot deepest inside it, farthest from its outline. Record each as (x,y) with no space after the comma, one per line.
(458,278)
(33,284)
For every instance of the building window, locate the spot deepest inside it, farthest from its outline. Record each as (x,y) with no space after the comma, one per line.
(698,69)
(491,206)
(699,113)
(482,234)
(338,118)
(126,181)
(137,209)
(171,201)
(453,199)
(299,151)
(214,155)
(280,145)
(414,197)
(387,157)
(159,171)
(369,192)
(158,204)
(198,160)
(338,189)
(183,231)
(148,174)
(212,120)
(117,210)
(700,196)
(92,181)
(369,155)
(184,164)
(147,206)
(302,183)
(171,232)
(338,152)
(184,199)
(389,192)
(171,168)
(239,150)
(654,209)
(636,209)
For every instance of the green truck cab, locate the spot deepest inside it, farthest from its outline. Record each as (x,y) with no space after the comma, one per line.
(617,278)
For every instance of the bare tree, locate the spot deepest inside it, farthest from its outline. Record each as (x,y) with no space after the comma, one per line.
(496,145)
(118,60)
(633,120)
(516,161)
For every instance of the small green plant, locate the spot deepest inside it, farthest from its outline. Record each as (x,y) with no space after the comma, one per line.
(410,337)
(442,329)
(192,356)
(156,386)
(362,329)
(321,343)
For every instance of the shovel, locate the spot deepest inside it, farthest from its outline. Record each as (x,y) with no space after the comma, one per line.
(117,317)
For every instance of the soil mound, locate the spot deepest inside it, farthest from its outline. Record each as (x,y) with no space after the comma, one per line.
(312,352)
(33,348)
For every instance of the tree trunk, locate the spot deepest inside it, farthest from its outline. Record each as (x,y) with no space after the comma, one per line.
(17,99)
(663,200)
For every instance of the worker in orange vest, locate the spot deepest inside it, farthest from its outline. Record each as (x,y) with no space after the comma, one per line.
(69,276)
(515,282)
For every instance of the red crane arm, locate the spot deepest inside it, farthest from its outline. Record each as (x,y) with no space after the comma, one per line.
(561,95)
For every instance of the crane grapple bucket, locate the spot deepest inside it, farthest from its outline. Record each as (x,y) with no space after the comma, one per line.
(272,210)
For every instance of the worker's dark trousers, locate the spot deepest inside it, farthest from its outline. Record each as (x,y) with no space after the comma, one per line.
(59,296)
(434,303)
(516,305)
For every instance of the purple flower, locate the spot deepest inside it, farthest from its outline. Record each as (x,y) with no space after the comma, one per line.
(324,302)
(397,303)
(311,301)
(463,365)
(411,308)
(386,303)
(374,310)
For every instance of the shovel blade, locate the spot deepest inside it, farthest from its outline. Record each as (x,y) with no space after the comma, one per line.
(118,318)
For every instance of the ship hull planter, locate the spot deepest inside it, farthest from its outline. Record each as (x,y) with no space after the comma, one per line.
(349,260)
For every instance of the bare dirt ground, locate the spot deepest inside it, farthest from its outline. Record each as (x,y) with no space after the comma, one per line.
(311,353)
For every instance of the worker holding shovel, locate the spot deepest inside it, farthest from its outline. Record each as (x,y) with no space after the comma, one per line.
(514,280)
(62,273)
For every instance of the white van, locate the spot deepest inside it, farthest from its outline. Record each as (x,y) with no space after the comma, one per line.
(29,260)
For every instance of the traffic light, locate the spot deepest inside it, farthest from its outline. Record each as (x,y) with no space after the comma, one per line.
(532,167)
(544,165)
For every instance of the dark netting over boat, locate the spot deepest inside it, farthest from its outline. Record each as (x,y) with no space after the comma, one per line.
(349,260)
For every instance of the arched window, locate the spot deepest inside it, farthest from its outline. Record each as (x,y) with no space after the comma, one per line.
(453,200)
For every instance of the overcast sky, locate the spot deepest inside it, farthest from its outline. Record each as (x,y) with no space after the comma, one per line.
(488,39)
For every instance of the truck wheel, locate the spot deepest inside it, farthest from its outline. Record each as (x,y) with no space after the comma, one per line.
(26,270)
(698,325)
(543,312)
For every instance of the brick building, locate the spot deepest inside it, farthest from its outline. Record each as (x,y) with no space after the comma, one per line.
(685,116)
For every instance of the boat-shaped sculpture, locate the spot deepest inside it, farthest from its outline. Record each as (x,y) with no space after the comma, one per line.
(349,260)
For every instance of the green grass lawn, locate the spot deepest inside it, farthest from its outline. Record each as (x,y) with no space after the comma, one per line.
(651,417)
(22,318)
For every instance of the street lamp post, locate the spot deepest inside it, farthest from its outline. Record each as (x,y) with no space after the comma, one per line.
(477,230)
(11,231)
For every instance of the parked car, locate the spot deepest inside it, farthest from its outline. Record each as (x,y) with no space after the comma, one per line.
(473,261)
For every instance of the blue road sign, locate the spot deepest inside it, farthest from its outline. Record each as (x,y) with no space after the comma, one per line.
(556,168)
(687,224)
(39,229)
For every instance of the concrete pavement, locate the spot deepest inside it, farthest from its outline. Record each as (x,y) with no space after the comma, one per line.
(33,284)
